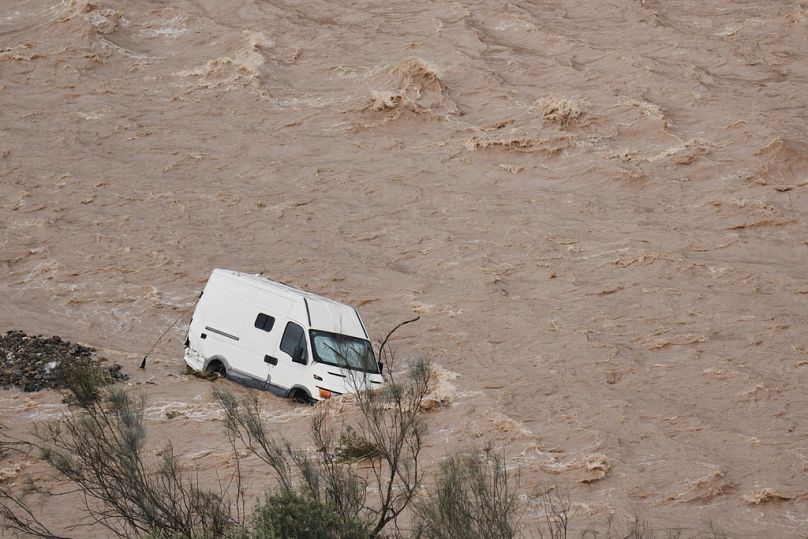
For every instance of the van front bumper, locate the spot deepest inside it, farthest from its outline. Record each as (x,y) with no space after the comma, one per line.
(194,359)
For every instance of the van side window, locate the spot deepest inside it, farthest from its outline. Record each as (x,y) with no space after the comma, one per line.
(264,321)
(294,338)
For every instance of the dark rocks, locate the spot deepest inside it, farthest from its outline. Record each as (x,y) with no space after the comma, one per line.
(34,362)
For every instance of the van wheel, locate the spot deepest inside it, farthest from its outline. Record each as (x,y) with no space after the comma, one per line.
(216,367)
(300,396)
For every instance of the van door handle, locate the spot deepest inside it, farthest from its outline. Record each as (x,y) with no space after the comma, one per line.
(271,360)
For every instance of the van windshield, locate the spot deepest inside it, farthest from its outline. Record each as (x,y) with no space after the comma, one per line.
(343,351)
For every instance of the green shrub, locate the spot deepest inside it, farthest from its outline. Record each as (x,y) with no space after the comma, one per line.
(473,498)
(289,514)
(99,448)
(389,429)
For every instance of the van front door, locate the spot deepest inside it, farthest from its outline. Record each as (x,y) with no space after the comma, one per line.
(293,357)
(260,343)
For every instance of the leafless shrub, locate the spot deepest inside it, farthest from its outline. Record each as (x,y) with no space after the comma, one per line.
(638,529)
(635,529)
(557,509)
(715,532)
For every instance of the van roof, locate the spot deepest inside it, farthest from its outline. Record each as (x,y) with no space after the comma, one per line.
(323,313)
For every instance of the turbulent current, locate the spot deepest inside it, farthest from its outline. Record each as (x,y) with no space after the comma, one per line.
(598,209)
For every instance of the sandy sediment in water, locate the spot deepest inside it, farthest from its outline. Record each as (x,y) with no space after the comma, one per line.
(599,213)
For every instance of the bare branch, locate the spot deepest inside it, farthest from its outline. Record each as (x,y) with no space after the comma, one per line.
(383,342)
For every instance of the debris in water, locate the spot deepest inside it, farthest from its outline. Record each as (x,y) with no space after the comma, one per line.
(34,362)
(557,109)
(764,495)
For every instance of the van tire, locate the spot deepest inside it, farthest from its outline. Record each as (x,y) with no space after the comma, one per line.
(216,367)
(301,395)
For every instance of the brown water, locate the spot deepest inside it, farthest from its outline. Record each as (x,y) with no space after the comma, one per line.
(598,210)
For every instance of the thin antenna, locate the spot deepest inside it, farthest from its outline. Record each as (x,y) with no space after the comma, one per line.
(174,323)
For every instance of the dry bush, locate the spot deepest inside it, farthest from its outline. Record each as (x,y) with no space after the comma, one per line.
(353,446)
(557,510)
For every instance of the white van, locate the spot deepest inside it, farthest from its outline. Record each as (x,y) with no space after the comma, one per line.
(275,337)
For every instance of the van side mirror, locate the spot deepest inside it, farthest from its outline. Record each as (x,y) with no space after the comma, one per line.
(300,355)
(381,367)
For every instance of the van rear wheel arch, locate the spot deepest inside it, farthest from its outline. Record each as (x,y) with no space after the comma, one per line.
(217,366)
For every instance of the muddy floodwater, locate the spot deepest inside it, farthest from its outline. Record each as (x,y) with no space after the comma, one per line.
(598,209)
